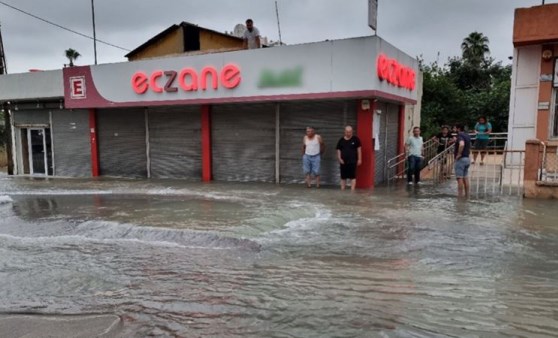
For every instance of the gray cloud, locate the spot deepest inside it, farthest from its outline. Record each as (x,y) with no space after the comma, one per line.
(419,27)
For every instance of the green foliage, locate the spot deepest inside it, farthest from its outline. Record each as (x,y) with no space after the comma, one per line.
(463,89)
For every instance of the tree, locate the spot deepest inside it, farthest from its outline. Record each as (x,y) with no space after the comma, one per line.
(461,91)
(72,55)
(475,49)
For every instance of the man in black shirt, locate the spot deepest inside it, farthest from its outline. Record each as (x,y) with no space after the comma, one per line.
(444,139)
(349,155)
(462,161)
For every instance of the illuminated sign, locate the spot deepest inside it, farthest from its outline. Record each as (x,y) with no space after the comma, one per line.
(394,73)
(77,87)
(188,80)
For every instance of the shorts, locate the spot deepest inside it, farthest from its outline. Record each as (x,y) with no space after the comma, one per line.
(311,164)
(462,167)
(348,171)
(481,144)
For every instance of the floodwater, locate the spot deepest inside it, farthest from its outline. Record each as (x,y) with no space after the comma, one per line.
(258,260)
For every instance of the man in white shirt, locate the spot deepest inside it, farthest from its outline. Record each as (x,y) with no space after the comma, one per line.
(415,154)
(251,36)
(312,149)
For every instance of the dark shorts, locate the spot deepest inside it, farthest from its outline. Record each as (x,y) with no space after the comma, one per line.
(481,144)
(348,171)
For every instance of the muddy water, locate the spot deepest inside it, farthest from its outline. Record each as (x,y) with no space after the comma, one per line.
(227,260)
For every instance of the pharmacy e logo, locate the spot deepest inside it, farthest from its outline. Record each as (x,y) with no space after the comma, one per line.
(77,87)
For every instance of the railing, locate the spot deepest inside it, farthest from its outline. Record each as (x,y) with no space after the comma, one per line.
(441,165)
(548,171)
(396,168)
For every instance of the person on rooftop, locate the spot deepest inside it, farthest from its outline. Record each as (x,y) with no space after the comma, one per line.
(251,36)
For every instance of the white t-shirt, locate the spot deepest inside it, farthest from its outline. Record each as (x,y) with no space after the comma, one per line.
(415,146)
(251,37)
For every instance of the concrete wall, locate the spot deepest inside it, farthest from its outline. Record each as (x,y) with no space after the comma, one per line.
(211,40)
(171,43)
(35,85)
(536,25)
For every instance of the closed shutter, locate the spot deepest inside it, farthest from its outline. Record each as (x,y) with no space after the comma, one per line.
(392,131)
(328,119)
(175,142)
(389,140)
(381,154)
(31,117)
(243,142)
(72,147)
(121,136)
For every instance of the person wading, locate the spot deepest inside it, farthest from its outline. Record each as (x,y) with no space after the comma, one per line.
(415,154)
(462,161)
(349,155)
(312,149)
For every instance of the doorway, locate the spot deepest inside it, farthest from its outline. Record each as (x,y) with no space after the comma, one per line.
(36,151)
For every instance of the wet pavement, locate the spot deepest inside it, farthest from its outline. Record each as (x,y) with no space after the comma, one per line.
(173,258)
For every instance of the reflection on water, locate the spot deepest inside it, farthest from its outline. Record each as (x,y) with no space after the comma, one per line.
(226,260)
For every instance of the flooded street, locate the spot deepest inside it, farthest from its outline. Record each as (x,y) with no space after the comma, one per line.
(173,258)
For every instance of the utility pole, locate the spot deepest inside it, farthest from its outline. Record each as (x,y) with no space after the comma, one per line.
(5,110)
(278,23)
(94,30)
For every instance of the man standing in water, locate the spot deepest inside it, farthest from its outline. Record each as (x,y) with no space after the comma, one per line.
(349,155)
(462,161)
(312,149)
(415,154)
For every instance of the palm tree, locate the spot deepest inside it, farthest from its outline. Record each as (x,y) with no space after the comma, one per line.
(72,55)
(475,48)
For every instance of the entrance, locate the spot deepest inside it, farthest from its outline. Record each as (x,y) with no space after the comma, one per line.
(36,151)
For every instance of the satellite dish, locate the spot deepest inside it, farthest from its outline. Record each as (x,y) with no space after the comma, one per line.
(239,30)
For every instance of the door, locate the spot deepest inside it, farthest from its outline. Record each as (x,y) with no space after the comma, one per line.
(39,151)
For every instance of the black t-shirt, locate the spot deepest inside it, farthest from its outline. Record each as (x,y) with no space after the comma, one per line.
(444,141)
(348,148)
(467,140)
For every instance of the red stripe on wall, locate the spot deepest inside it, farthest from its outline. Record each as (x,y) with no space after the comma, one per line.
(206,143)
(365,173)
(93,140)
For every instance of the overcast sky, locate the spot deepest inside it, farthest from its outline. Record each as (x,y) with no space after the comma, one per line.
(418,27)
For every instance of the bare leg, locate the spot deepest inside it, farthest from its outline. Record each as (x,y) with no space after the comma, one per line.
(353,184)
(318,181)
(343,184)
(308,181)
(483,154)
(475,155)
(466,186)
(460,187)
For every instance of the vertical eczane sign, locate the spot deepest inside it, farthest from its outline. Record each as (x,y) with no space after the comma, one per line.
(373,14)
(77,87)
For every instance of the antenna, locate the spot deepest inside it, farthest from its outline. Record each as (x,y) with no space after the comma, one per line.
(278,23)
(3,66)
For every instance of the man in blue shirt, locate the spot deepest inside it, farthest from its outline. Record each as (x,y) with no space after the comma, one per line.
(462,161)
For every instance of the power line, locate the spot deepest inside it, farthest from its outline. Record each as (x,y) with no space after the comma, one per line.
(62,27)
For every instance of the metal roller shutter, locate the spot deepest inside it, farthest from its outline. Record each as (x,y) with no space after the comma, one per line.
(70,134)
(381,155)
(243,142)
(122,148)
(31,117)
(329,120)
(392,130)
(389,136)
(175,142)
